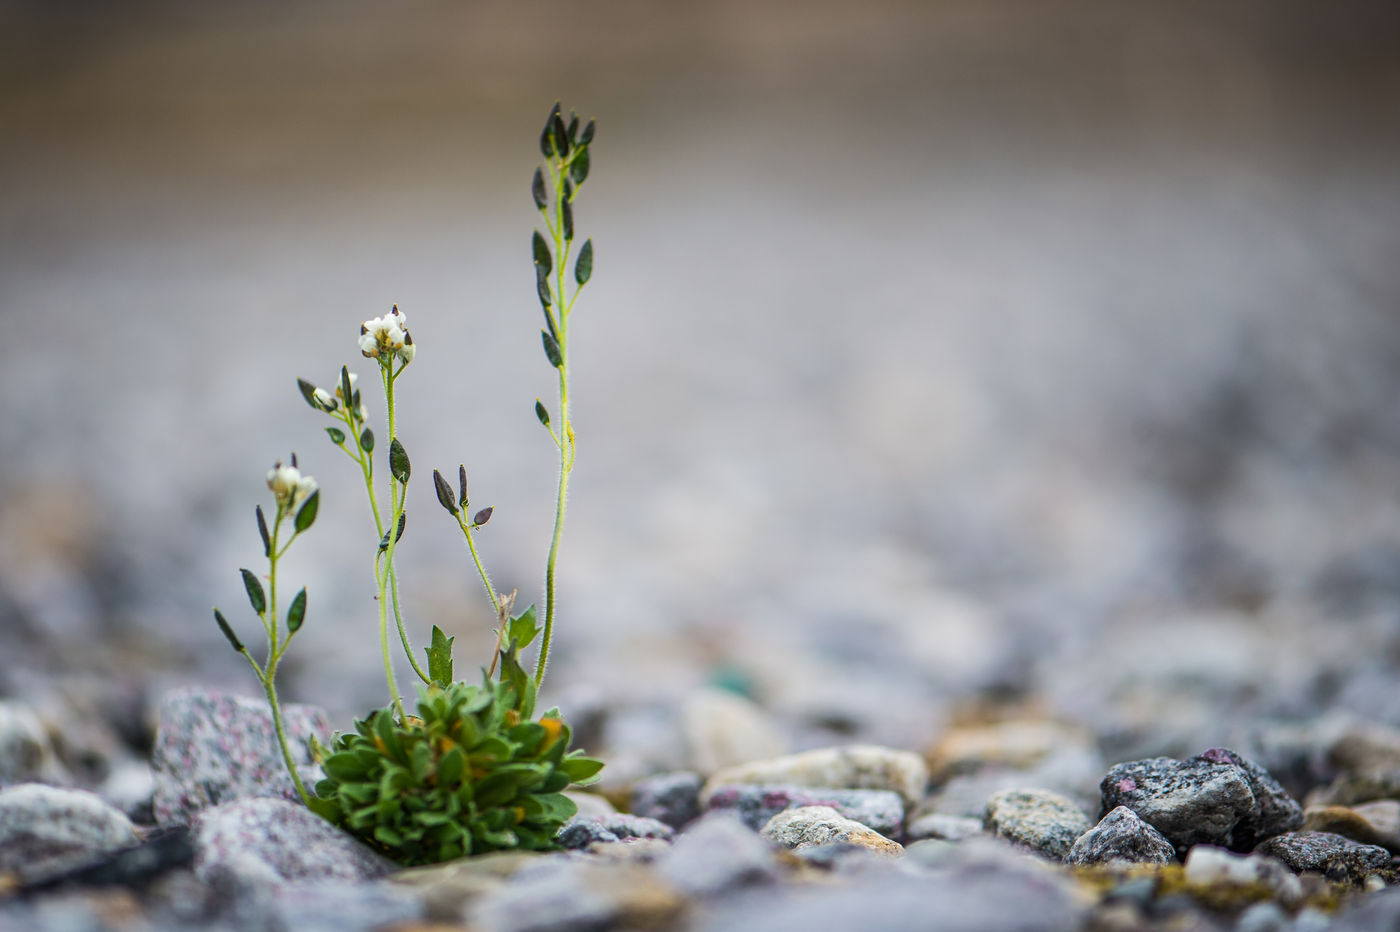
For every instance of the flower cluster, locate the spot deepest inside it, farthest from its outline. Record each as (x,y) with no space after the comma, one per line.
(288,485)
(384,338)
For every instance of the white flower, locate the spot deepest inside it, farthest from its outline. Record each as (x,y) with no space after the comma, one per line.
(289,486)
(385,337)
(326,399)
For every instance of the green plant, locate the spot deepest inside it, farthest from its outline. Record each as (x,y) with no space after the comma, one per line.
(474,770)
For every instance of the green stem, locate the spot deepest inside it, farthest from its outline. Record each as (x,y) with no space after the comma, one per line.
(480,567)
(271,690)
(269,673)
(398,496)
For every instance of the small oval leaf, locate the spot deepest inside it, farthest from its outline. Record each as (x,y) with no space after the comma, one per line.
(444,493)
(306,514)
(551,349)
(367,440)
(579,169)
(399,466)
(583,268)
(540,249)
(336,434)
(296,612)
(255,591)
(541,412)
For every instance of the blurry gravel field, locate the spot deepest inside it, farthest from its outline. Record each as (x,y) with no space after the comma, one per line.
(1045,351)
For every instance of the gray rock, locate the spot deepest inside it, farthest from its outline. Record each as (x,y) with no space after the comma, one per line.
(715,855)
(1209,866)
(334,907)
(673,798)
(809,826)
(1121,836)
(1337,857)
(1379,911)
(212,749)
(26,755)
(265,841)
(857,766)
(941,825)
(47,829)
(724,729)
(1039,819)
(559,895)
(1278,811)
(1373,823)
(881,810)
(1267,916)
(1197,801)
(445,889)
(582,831)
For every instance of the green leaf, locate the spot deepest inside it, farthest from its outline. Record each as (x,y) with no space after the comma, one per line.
(296,611)
(583,268)
(547,134)
(444,493)
(572,130)
(384,541)
(587,135)
(541,412)
(560,135)
(327,808)
(367,440)
(579,769)
(343,768)
(537,189)
(543,259)
(566,210)
(336,434)
(388,836)
(556,807)
(255,591)
(579,169)
(440,658)
(451,767)
(399,466)
(523,628)
(308,391)
(306,514)
(262,532)
(223,624)
(551,349)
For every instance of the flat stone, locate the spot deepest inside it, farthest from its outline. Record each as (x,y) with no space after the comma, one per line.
(212,749)
(945,826)
(47,829)
(1334,856)
(1039,819)
(810,826)
(582,831)
(446,889)
(1015,745)
(857,766)
(266,841)
(1376,823)
(673,798)
(717,854)
(1121,835)
(881,810)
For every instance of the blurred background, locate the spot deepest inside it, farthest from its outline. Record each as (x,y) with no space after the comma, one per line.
(939,356)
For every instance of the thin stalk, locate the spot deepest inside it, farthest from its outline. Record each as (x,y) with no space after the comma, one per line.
(397,496)
(269,673)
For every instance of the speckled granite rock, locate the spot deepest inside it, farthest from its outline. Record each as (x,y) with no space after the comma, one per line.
(271,841)
(1216,798)
(856,766)
(673,798)
(1336,857)
(881,810)
(1039,819)
(582,831)
(812,826)
(212,749)
(1121,836)
(46,829)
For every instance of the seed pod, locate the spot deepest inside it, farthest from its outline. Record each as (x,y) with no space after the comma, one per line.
(462,485)
(541,412)
(587,136)
(540,249)
(367,440)
(583,268)
(255,592)
(579,168)
(399,466)
(566,210)
(482,516)
(308,391)
(223,624)
(262,532)
(444,493)
(537,190)
(542,289)
(306,514)
(296,611)
(336,434)
(551,349)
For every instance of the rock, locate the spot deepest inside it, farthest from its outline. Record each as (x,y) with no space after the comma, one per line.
(1266,916)
(558,895)
(1217,798)
(864,767)
(446,889)
(591,804)
(1210,866)
(335,907)
(1121,836)
(26,756)
(1367,747)
(1376,823)
(212,749)
(262,841)
(715,855)
(1336,857)
(582,831)
(939,825)
(137,864)
(809,826)
(673,798)
(723,729)
(881,810)
(1358,788)
(130,786)
(46,829)
(1039,819)
(1369,914)
(1278,811)
(1015,745)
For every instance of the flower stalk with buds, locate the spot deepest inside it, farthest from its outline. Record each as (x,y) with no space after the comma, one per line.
(297,499)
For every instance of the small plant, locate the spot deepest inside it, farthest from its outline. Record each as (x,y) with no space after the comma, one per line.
(474,770)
